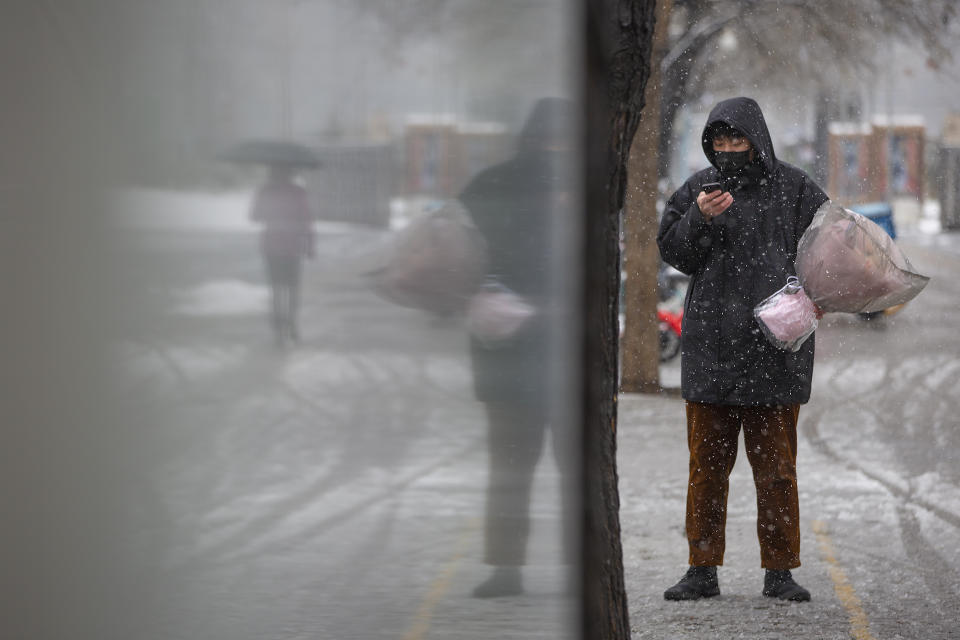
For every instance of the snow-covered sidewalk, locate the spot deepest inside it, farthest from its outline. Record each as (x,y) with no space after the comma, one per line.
(877,564)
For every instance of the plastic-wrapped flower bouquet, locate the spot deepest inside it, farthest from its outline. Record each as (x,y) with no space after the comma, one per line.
(846,263)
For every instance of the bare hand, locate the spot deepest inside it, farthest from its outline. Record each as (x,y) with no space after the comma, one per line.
(714,203)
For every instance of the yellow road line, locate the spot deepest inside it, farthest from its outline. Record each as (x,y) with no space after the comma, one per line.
(859,624)
(421,621)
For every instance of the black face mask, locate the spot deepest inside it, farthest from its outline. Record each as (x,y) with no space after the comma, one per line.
(731,163)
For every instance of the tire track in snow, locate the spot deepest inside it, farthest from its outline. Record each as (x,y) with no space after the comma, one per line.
(938,577)
(266,540)
(811,432)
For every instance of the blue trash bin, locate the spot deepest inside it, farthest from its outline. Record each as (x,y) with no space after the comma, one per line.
(882,214)
(879,212)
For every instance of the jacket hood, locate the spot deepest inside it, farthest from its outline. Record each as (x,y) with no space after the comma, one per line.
(551,122)
(743,114)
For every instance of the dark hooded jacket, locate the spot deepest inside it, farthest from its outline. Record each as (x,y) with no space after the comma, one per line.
(735,261)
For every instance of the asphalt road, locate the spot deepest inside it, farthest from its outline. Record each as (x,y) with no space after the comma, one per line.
(335,489)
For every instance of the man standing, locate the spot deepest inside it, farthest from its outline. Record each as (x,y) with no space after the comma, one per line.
(738,243)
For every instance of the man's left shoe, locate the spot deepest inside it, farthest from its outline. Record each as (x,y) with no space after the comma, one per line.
(778,583)
(505,581)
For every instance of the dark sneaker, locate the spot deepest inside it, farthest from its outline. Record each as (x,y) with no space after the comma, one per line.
(779,584)
(699,582)
(505,581)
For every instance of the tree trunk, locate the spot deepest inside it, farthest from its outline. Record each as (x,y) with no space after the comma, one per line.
(618,42)
(641,259)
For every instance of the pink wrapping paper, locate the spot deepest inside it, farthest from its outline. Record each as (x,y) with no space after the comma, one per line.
(788,317)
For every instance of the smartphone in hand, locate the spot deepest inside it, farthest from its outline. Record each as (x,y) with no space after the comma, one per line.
(710,187)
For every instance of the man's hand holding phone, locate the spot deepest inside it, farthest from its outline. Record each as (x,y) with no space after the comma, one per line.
(713,200)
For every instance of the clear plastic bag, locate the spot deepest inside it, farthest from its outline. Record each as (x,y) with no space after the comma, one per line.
(788,317)
(845,262)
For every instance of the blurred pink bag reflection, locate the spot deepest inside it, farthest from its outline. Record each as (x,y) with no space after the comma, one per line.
(496,314)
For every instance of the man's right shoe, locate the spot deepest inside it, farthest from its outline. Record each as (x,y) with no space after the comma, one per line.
(699,582)
(780,584)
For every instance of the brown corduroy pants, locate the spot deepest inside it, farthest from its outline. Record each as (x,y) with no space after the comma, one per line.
(770,439)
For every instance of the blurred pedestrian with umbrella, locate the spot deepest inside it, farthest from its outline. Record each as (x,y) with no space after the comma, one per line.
(283,209)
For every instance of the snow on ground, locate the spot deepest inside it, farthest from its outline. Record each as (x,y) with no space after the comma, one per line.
(163,209)
(165,368)
(929,222)
(379,367)
(222,298)
(160,209)
(936,491)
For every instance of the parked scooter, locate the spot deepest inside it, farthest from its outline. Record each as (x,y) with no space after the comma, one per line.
(670,323)
(672,287)
(671,290)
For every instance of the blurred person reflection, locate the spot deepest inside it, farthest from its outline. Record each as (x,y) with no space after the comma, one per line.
(282,207)
(515,205)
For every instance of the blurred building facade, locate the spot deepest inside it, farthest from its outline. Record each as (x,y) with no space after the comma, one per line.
(355,182)
(948,173)
(429,159)
(442,153)
(876,162)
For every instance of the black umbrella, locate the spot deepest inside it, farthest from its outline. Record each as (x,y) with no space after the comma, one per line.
(272,153)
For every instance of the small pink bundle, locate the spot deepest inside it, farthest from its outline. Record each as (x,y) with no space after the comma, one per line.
(788,317)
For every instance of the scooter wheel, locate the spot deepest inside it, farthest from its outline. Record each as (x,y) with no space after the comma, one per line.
(669,344)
